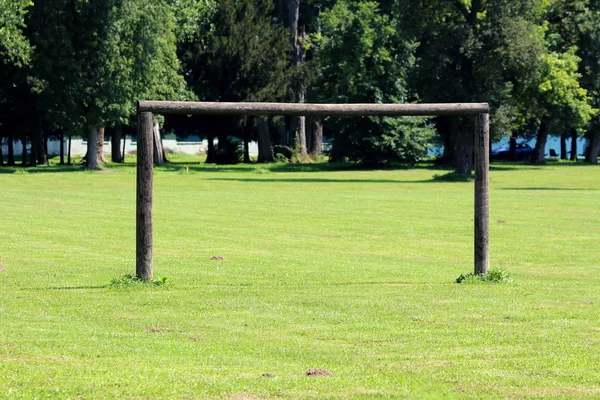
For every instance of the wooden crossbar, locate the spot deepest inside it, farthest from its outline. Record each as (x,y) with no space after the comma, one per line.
(311,110)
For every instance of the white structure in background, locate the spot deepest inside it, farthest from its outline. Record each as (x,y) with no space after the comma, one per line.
(191,145)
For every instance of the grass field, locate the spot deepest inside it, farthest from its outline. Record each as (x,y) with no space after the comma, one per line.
(349,271)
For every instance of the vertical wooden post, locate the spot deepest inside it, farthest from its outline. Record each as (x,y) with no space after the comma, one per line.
(482,205)
(145,148)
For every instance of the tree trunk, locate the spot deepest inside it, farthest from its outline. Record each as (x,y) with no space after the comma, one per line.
(123,152)
(300,131)
(574,137)
(316,138)
(464,151)
(512,148)
(563,146)
(159,155)
(24,152)
(265,151)
(92,149)
(211,154)
(538,156)
(37,141)
(69,151)
(11,150)
(45,157)
(38,153)
(280,137)
(594,147)
(336,155)
(247,133)
(62,148)
(115,144)
(298,123)
(446,128)
(100,148)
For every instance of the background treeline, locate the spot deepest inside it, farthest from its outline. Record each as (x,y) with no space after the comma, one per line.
(76,67)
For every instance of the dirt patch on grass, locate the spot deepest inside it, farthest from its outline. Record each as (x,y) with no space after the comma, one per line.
(2,268)
(268,375)
(318,372)
(245,397)
(218,258)
(155,329)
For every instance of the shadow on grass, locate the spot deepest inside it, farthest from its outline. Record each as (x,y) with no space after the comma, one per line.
(550,189)
(55,168)
(318,180)
(66,288)
(197,167)
(268,167)
(42,169)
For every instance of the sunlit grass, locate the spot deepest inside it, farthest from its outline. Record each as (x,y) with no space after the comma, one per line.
(349,271)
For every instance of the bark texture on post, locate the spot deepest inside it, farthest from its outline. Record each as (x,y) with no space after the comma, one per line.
(311,109)
(145,150)
(482,204)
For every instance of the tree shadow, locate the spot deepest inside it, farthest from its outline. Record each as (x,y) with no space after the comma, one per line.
(319,180)
(550,189)
(55,168)
(66,288)
(41,169)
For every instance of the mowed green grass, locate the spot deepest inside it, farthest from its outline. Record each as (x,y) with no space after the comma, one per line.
(348,271)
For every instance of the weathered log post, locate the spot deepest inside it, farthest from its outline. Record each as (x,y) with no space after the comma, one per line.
(482,203)
(145,157)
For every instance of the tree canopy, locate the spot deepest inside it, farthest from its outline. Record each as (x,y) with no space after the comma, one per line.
(81,66)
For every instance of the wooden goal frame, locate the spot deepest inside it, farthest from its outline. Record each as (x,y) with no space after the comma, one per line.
(145,154)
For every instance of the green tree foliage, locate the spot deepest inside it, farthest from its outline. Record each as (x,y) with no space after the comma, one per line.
(560,93)
(97,58)
(474,51)
(14,46)
(242,57)
(361,57)
(577,23)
